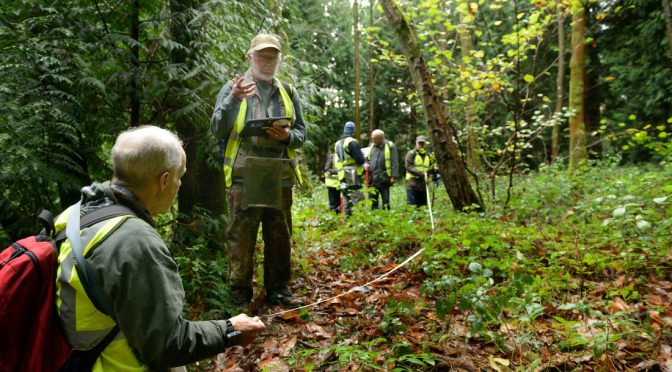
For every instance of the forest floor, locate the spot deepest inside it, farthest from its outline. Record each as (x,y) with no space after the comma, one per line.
(485,294)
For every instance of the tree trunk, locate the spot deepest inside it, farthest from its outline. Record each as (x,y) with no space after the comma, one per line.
(135,64)
(412,125)
(202,186)
(592,92)
(372,79)
(355,31)
(668,24)
(473,160)
(559,86)
(450,165)
(577,77)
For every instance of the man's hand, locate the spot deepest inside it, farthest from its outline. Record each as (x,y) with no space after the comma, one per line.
(241,90)
(249,327)
(278,133)
(393,180)
(366,166)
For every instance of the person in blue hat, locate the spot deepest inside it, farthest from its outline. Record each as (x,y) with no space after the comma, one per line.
(349,162)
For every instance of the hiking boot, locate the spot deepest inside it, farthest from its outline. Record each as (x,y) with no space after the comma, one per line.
(242,296)
(282,297)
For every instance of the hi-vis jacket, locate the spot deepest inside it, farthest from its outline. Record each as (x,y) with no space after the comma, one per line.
(330,174)
(343,158)
(140,278)
(230,115)
(421,162)
(383,163)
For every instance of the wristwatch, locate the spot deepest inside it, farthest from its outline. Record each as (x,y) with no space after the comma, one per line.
(232,336)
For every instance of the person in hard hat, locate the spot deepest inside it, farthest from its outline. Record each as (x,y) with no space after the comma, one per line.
(258,95)
(419,166)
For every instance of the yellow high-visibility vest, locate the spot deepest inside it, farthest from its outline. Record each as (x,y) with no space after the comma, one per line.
(388,160)
(233,144)
(84,325)
(421,164)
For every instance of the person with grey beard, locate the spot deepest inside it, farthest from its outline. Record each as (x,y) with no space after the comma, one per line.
(260,169)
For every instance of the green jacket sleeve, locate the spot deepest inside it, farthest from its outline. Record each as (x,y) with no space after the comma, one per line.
(225,113)
(141,278)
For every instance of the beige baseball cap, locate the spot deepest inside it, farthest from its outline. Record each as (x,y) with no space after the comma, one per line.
(263,41)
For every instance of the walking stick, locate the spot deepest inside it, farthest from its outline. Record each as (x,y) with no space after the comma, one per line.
(431,215)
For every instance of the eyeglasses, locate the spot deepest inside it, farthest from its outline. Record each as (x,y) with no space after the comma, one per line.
(266,58)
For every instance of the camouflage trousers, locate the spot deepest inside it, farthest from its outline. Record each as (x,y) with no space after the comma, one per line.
(241,237)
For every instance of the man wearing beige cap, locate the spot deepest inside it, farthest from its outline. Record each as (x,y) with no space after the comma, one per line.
(419,165)
(260,169)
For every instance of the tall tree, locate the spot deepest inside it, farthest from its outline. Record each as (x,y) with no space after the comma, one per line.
(466,43)
(450,165)
(559,85)
(372,78)
(668,25)
(357,66)
(190,126)
(134,76)
(577,68)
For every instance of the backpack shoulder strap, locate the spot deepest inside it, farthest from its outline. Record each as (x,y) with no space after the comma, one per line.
(288,88)
(84,360)
(72,231)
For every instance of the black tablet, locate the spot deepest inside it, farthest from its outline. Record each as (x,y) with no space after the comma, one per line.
(257,127)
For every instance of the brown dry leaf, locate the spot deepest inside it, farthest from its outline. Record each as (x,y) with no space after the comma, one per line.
(228,360)
(620,282)
(658,300)
(271,345)
(311,331)
(274,364)
(351,311)
(662,284)
(287,346)
(388,268)
(292,315)
(657,321)
(617,305)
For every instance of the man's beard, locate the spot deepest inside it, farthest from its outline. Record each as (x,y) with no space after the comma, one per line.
(260,75)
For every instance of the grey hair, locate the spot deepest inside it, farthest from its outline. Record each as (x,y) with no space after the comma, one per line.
(377,132)
(140,154)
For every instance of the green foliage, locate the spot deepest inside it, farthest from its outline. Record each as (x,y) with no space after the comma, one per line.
(361,355)
(202,263)
(529,268)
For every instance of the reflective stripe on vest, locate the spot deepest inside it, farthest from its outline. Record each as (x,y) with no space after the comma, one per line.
(419,163)
(341,147)
(233,143)
(84,326)
(388,161)
(331,180)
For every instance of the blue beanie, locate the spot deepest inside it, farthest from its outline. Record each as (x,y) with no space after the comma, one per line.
(349,128)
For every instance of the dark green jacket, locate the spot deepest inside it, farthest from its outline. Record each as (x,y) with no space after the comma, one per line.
(140,277)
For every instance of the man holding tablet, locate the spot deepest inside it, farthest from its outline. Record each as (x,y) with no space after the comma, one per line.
(260,118)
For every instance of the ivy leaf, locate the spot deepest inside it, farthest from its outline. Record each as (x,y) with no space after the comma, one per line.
(618,212)
(475,267)
(660,200)
(528,78)
(643,224)
(567,306)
